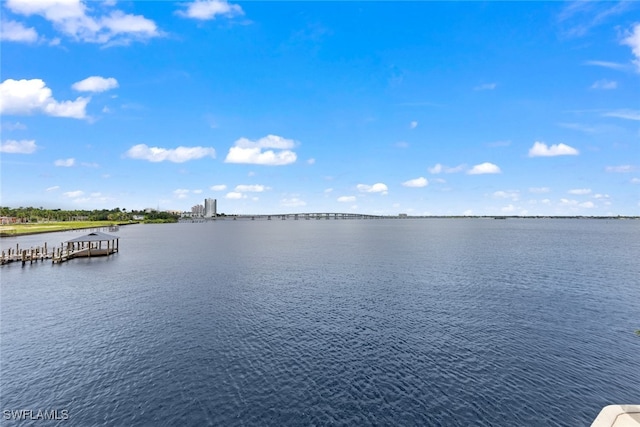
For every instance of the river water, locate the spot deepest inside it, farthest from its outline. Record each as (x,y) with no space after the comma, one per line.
(328,322)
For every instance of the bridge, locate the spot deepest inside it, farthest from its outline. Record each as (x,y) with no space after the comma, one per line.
(295,216)
(308,216)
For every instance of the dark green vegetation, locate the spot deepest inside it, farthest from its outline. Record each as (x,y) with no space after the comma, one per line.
(16,221)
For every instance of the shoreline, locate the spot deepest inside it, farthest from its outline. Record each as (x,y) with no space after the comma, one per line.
(4,234)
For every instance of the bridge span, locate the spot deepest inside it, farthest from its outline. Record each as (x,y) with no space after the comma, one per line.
(309,216)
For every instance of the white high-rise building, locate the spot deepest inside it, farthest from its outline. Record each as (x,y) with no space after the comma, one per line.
(210,208)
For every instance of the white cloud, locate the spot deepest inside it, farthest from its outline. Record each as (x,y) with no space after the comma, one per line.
(13,126)
(511,194)
(73,194)
(604,84)
(65,163)
(600,196)
(439,168)
(416,182)
(635,180)
(95,84)
(256,188)
(72,18)
(269,141)
(29,96)
(346,199)
(197,191)
(540,149)
(624,114)
(633,41)
(484,168)
(13,31)
(413,125)
(311,161)
(620,169)
(539,190)
(54,188)
(181,193)
(219,187)
(18,147)
(175,155)
(586,205)
(209,9)
(378,187)
(235,195)
(607,64)
(508,209)
(401,144)
(580,191)
(328,190)
(250,152)
(293,202)
(486,86)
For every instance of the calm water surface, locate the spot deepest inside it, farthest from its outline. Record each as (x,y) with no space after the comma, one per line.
(391,322)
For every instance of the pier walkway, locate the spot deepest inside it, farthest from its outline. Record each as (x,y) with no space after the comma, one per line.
(87,246)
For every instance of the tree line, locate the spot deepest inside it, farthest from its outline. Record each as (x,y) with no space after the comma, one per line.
(31,214)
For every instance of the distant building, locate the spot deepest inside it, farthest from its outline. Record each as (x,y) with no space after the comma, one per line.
(197,210)
(210,209)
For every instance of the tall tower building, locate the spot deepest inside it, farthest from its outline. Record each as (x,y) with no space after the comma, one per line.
(210,209)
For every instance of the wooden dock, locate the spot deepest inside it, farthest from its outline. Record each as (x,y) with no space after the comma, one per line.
(57,255)
(87,246)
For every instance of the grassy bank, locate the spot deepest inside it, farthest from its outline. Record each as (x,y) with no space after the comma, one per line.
(49,227)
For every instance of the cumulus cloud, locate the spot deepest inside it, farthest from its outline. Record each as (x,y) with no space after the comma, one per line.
(484,168)
(18,147)
(511,194)
(235,195)
(540,149)
(219,187)
(413,125)
(12,31)
(346,199)
(181,193)
(604,84)
(251,152)
(95,84)
(25,97)
(378,187)
(439,168)
(210,9)
(175,155)
(580,191)
(632,40)
(256,188)
(73,19)
(65,163)
(416,182)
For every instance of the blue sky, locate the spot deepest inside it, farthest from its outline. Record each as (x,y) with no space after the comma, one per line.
(426,108)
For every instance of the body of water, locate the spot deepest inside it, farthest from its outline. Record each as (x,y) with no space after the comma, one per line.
(351,322)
